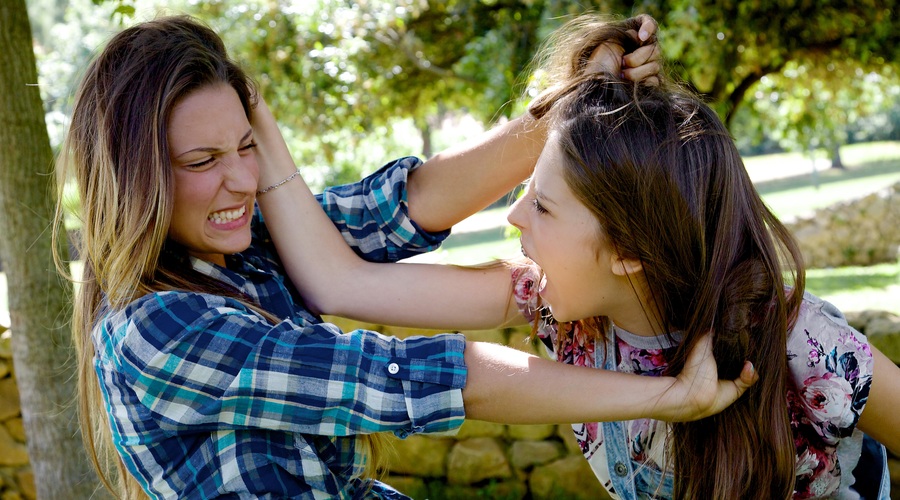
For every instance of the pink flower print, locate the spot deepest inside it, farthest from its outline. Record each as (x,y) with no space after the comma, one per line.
(814,356)
(524,286)
(828,400)
(849,336)
(817,473)
(807,463)
(587,436)
(640,433)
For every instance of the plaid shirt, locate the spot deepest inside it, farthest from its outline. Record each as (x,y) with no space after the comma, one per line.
(207,399)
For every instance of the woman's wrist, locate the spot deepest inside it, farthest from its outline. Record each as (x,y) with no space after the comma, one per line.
(272,156)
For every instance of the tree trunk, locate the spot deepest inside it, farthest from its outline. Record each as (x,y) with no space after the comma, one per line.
(426,132)
(836,161)
(38,297)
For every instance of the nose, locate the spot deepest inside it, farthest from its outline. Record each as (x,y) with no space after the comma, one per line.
(515,216)
(241,174)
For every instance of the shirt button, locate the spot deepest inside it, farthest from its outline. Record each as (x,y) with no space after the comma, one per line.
(621,470)
(393,368)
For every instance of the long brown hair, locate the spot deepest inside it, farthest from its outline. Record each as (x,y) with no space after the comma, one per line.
(661,173)
(117,153)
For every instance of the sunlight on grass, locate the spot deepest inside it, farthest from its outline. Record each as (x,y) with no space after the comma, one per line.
(803,201)
(857,288)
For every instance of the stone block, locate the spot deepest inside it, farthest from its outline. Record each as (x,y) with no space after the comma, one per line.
(480,428)
(413,487)
(25,481)
(475,460)
(9,399)
(526,454)
(531,432)
(16,429)
(6,345)
(419,456)
(494,490)
(570,477)
(12,453)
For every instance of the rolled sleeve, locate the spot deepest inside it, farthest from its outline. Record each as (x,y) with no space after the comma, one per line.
(373,217)
(421,369)
(227,368)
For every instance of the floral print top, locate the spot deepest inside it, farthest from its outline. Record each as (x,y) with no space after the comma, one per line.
(831,368)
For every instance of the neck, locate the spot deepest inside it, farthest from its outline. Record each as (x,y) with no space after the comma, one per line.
(638,314)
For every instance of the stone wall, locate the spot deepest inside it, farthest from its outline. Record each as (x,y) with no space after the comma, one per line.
(857,233)
(16,479)
(483,460)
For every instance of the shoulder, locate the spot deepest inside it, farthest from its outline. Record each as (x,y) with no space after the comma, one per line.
(161,317)
(821,329)
(831,368)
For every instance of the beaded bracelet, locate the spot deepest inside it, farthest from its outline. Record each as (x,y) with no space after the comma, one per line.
(277,184)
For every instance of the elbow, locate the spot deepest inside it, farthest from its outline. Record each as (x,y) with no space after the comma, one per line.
(320,302)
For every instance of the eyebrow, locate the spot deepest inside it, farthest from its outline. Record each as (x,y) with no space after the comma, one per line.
(542,197)
(213,150)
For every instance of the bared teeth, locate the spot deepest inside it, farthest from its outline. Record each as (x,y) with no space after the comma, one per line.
(227,215)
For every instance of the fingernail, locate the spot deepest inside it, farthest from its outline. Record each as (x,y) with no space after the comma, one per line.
(643,35)
(752,368)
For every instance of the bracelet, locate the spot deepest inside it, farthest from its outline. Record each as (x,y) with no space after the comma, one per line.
(277,184)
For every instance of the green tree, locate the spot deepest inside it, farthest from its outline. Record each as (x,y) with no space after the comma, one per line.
(38,298)
(818,106)
(723,49)
(341,73)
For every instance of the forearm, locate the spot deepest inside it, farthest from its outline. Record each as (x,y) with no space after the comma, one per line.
(514,387)
(464,179)
(438,297)
(315,256)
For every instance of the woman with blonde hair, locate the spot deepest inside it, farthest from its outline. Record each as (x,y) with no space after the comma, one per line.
(203,371)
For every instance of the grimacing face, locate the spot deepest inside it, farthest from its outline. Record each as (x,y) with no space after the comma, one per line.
(583,275)
(215,173)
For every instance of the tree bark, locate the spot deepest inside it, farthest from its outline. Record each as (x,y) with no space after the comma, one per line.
(836,161)
(39,300)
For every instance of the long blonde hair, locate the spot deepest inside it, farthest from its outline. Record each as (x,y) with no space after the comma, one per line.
(117,153)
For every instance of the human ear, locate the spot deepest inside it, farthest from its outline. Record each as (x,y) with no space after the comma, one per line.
(624,267)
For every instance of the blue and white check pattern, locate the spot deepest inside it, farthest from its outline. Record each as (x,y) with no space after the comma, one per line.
(208,400)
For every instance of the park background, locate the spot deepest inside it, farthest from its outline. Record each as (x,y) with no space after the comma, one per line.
(809,89)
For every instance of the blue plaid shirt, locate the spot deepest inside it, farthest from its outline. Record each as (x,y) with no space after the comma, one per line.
(206,399)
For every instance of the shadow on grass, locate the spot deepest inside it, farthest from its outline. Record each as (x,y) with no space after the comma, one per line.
(849,279)
(829,176)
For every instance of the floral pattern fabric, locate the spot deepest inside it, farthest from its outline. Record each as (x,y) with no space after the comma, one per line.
(830,365)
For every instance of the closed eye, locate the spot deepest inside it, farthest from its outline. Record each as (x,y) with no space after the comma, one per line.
(200,164)
(538,207)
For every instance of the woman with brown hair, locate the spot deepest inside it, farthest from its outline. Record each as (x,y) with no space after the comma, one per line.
(645,233)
